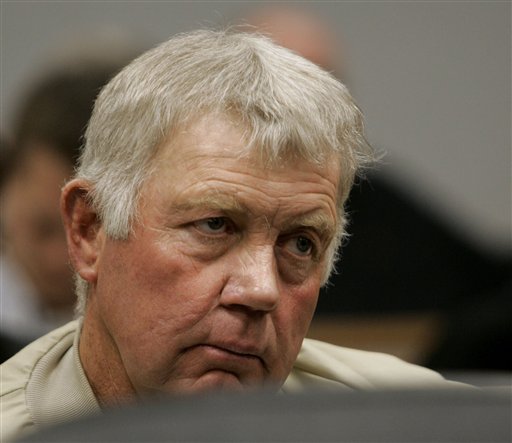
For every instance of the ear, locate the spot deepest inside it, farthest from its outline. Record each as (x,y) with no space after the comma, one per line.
(84,234)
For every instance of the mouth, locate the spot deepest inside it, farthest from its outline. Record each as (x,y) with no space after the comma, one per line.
(235,352)
(231,358)
(220,365)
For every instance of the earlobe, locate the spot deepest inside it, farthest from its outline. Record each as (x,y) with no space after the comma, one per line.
(84,233)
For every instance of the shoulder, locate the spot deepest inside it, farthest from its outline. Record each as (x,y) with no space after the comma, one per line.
(16,374)
(321,364)
(17,370)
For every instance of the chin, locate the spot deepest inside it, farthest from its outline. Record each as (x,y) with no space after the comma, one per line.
(214,381)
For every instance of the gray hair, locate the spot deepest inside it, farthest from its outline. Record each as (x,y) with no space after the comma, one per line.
(288,106)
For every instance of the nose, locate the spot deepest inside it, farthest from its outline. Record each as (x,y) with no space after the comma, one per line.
(253,281)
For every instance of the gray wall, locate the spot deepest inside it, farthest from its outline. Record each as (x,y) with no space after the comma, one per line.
(434,79)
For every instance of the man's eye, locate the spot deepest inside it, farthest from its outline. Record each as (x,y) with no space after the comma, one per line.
(213,225)
(300,245)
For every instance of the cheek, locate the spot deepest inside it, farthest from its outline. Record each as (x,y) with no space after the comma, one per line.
(293,318)
(301,302)
(153,278)
(165,298)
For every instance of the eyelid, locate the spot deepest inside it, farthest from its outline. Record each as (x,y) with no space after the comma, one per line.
(307,231)
(316,243)
(228,227)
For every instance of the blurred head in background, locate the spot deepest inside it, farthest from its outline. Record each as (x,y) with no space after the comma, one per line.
(46,139)
(301,31)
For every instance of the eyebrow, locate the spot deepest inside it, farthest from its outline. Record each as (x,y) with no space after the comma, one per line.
(211,201)
(317,220)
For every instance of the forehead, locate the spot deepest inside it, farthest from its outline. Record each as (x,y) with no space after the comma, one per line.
(219,137)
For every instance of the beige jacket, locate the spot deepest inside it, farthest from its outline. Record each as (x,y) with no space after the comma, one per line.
(45,383)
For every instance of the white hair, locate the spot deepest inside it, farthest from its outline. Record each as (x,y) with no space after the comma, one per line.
(289,107)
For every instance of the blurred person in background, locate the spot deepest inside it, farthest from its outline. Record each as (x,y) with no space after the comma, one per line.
(8,344)
(429,280)
(37,291)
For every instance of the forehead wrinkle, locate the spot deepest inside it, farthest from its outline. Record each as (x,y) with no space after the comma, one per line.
(267,222)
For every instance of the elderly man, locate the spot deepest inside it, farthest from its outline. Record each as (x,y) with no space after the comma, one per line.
(202,221)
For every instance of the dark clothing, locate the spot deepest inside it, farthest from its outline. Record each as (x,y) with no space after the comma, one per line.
(400,257)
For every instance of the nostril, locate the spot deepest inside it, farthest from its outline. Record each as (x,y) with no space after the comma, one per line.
(245,294)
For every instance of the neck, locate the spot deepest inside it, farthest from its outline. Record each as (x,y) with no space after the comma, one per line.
(102,363)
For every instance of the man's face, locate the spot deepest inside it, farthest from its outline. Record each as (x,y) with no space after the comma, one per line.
(33,227)
(217,285)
